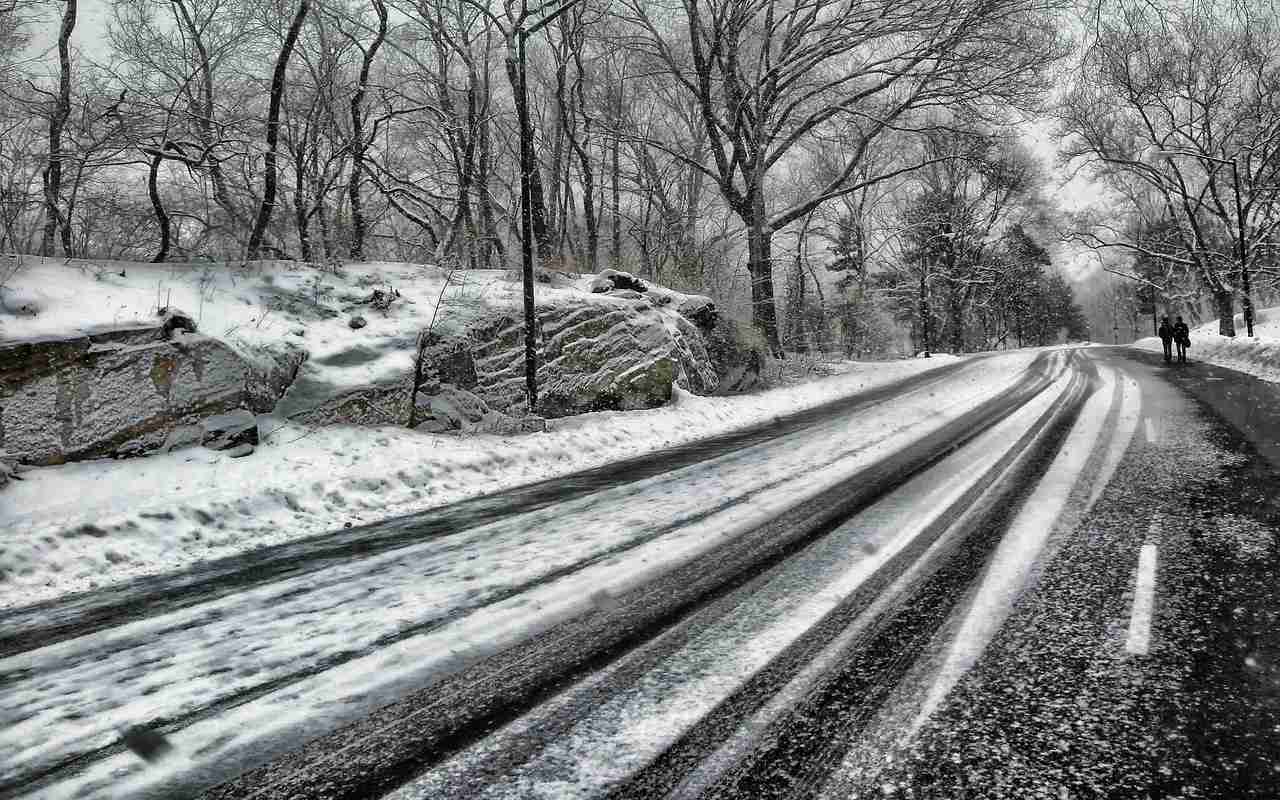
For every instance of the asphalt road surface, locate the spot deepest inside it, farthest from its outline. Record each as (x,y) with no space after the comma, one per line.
(1059,581)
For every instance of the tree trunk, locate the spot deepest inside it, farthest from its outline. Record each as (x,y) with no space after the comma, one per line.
(273,133)
(1225,304)
(57,119)
(162,217)
(303,223)
(616,255)
(357,135)
(516,73)
(760,266)
(537,203)
(205,122)
(493,241)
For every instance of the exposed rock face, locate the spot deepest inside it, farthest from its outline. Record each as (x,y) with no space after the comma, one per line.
(368,405)
(225,431)
(114,393)
(697,372)
(267,384)
(593,357)
(446,359)
(700,310)
(597,359)
(735,355)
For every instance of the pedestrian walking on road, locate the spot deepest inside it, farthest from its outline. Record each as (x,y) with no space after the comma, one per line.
(1182,335)
(1166,339)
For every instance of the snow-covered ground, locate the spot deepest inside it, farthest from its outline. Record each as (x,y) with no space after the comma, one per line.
(85,525)
(1258,356)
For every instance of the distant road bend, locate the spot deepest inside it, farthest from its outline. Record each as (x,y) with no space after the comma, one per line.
(767,614)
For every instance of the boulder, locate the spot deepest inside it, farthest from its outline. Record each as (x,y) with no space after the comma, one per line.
(700,310)
(181,437)
(119,392)
(598,358)
(445,359)
(8,469)
(626,294)
(357,322)
(226,431)
(240,450)
(174,320)
(611,279)
(452,407)
(277,368)
(593,357)
(737,354)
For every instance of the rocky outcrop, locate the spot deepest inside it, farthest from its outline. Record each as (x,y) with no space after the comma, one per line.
(623,351)
(366,405)
(115,393)
(736,356)
(611,279)
(697,371)
(593,357)
(274,371)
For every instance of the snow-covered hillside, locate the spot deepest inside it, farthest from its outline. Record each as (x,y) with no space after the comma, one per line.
(79,525)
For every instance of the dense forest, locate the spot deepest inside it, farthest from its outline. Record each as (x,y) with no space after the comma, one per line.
(851,177)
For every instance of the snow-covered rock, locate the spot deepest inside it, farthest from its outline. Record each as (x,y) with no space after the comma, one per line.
(276,338)
(226,431)
(240,450)
(182,436)
(593,357)
(611,279)
(111,393)
(700,310)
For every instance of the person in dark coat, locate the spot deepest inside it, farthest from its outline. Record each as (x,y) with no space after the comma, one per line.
(1166,339)
(1181,335)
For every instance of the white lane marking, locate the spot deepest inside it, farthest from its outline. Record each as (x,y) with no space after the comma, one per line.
(1152,436)
(1139,642)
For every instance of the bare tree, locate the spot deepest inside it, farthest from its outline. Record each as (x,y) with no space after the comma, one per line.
(770,75)
(358,143)
(270,176)
(59,108)
(1183,103)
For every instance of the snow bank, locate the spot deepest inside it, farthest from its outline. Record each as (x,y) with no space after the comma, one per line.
(80,526)
(1258,356)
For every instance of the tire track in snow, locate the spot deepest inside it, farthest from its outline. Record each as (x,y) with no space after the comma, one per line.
(46,623)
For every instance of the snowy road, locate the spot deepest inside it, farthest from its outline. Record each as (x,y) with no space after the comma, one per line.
(937,587)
